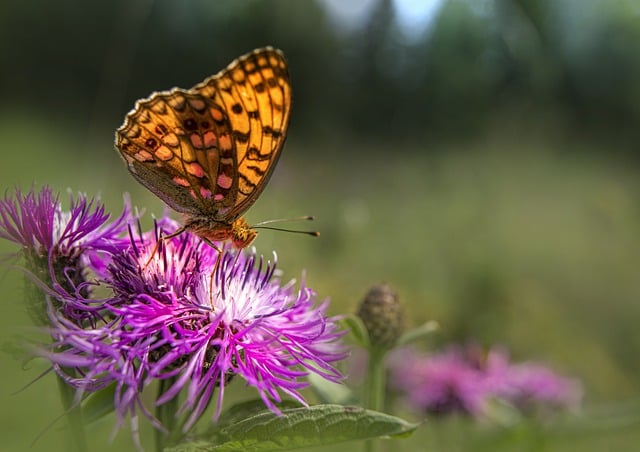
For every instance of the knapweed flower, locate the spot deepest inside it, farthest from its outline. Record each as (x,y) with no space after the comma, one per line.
(530,386)
(466,379)
(184,314)
(59,245)
(440,383)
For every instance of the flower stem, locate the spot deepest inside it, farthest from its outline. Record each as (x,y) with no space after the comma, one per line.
(74,416)
(375,382)
(375,385)
(166,415)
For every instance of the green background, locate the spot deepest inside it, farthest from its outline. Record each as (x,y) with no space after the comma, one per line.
(486,168)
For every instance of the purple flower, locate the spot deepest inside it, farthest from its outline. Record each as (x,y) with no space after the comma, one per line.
(184,315)
(61,246)
(465,379)
(37,222)
(530,385)
(442,383)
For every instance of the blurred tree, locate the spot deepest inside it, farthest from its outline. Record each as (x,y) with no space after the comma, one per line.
(89,62)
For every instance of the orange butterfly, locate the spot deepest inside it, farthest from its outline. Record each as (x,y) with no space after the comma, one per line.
(209,151)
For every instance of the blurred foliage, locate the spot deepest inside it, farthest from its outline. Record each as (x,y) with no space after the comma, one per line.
(485,167)
(370,80)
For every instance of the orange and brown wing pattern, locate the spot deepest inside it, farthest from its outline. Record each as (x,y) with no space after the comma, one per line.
(210,150)
(172,143)
(255,93)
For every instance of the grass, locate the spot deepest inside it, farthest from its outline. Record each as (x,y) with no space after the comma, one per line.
(525,240)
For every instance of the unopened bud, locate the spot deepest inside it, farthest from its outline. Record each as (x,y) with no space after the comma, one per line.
(382,315)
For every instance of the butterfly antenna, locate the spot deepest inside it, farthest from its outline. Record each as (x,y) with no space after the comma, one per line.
(295,231)
(262,224)
(285,220)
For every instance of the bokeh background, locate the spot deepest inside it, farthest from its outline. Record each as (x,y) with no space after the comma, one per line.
(479,155)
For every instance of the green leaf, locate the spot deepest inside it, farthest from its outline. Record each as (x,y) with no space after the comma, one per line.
(502,412)
(17,348)
(244,410)
(98,404)
(358,330)
(301,427)
(329,392)
(418,333)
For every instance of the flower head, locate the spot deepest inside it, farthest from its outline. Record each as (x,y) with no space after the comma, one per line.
(61,246)
(530,385)
(37,222)
(197,319)
(465,379)
(441,383)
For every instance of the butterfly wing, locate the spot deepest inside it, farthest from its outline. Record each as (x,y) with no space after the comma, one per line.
(210,150)
(255,92)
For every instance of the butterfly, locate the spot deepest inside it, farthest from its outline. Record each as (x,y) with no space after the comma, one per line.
(209,151)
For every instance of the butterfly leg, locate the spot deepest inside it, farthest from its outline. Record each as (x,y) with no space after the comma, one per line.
(217,248)
(162,238)
(175,233)
(215,266)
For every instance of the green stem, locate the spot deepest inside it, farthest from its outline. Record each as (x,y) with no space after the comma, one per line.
(375,386)
(166,414)
(74,416)
(36,306)
(375,382)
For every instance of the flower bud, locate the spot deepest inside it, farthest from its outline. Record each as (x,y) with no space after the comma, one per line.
(382,315)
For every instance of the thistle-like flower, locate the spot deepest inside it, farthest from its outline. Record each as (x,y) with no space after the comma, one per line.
(195,320)
(439,384)
(530,386)
(182,312)
(466,379)
(61,246)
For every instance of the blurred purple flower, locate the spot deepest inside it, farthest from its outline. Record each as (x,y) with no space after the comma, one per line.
(441,384)
(465,380)
(529,385)
(177,315)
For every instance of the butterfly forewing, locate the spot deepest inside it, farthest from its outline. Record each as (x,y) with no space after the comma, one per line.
(210,150)
(255,93)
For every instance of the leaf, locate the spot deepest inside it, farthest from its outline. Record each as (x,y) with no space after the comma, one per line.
(418,333)
(301,427)
(502,412)
(244,410)
(358,330)
(330,392)
(98,404)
